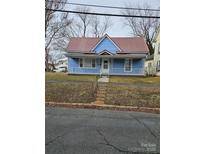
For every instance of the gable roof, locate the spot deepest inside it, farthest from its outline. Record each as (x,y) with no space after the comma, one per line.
(126,44)
(106,36)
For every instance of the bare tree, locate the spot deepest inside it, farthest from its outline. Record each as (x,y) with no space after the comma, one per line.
(55,25)
(85,19)
(99,28)
(145,27)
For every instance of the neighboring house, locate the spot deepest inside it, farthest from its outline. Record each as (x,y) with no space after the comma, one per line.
(152,63)
(149,65)
(107,55)
(61,64)
(51,66)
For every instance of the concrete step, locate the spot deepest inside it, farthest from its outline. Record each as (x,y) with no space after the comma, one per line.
(100,95)
(102,85)
(100,99)
(101,91)
(98,102)
(102,88)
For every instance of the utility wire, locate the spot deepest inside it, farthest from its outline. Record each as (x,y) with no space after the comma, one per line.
(103,14)
(105,6)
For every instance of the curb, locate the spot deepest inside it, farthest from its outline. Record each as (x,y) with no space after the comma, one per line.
(104,107)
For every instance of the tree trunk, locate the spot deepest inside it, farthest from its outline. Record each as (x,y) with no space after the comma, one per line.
(46,60)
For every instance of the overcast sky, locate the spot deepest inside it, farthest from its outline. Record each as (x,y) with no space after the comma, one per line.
(118,28)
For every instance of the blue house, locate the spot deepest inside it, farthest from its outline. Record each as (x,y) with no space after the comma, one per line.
(107,55)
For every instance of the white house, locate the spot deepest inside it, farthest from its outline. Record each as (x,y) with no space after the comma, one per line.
(152,63)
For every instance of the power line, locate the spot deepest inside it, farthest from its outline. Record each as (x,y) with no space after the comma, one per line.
(105,6)
(104,14)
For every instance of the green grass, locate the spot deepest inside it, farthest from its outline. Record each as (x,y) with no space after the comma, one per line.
(135,80)
(66,77)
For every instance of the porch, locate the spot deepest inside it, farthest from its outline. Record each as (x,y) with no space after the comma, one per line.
(106,66)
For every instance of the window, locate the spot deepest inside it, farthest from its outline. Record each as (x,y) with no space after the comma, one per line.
(158,65)
(81,62)
(149,65)
(159,48)
(87,63)
(93,63)
(128,65)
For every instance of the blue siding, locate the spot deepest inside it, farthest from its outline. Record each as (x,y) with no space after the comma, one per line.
(116,67)
(74,67)
(106,44)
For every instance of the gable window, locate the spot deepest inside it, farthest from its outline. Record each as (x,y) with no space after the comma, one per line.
(87,63)
(128,65)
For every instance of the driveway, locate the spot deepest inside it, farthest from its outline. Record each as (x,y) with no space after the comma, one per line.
(89,131)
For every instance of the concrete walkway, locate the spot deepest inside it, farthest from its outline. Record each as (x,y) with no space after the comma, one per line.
(101,90)
(103,79)
(101,93)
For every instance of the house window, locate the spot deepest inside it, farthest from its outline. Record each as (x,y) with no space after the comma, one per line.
(81,62)
(128,65)
(158,65)
(93,63)
(159,48)
(87,63)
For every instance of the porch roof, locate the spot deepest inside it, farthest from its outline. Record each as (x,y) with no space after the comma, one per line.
(76,55)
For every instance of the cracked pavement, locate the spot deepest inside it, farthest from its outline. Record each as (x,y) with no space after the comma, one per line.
(90,131)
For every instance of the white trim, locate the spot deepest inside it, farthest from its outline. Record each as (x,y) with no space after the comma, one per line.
(105,51)
(130,66)
(106,35)
(84,62)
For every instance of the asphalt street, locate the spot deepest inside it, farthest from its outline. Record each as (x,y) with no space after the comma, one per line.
(90,131)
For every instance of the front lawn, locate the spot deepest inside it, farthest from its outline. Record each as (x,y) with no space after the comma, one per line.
(135,80)
(133,95)
(61,87)
(65,77)
(122,90)
(70,92)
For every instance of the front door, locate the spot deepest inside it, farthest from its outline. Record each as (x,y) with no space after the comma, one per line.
(105,66)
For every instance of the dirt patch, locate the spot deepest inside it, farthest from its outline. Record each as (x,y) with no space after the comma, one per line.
(133,95)
(70,92)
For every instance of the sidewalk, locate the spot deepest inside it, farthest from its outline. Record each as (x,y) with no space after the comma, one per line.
(104,107)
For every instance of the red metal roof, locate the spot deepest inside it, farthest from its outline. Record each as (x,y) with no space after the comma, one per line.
(126,44)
